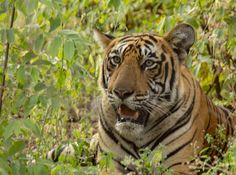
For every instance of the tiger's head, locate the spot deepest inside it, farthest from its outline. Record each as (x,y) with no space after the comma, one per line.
(140,74)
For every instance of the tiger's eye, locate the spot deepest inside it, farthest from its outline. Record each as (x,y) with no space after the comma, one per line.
(148,63)
(116,59)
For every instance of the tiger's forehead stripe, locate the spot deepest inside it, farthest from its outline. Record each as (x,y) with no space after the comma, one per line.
(146,44)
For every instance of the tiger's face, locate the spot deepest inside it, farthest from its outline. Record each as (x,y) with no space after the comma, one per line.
(140,75)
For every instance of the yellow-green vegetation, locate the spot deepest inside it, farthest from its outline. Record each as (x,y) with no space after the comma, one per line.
(50,79)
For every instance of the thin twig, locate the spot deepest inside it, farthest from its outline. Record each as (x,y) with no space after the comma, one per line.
(5,62)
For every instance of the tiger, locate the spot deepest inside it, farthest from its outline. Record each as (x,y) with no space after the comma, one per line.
(150,98)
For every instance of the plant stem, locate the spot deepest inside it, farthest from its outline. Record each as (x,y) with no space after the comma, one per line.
(5,62)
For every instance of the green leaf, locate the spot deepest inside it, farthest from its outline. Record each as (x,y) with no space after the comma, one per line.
(35,74)
(161,25)
(55,102)
(192,21)
(69,49)
(10,35)
(114,3)
(230,20)
(40,86)
(43,100)
(48,3)
(28,57)
(20,100)
(30,6)
(70,34)
(91,60)
(55,46)
(38,43)
(20,74)
(54,23)
(32,127)
(11,128)
(3,36)
(40,169)
(5,168)
(17,146)
(32,102)
(61,78)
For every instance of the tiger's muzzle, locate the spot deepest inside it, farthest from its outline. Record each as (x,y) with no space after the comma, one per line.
(125,114)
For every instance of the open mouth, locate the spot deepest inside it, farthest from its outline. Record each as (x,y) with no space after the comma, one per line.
(125,114)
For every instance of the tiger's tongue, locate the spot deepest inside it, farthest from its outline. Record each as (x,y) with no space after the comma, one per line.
(127,113)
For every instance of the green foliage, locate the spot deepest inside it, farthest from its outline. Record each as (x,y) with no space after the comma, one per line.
(53,66)
(216,165)
(149,162)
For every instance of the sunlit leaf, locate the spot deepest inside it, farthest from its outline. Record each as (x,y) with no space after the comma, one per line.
(54,23)
(114,3)
(38,43)
(55,46)
(69,49)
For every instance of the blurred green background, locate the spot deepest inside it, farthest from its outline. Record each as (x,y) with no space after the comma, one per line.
(51,79)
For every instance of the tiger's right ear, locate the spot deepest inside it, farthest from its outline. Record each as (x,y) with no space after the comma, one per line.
(102,39)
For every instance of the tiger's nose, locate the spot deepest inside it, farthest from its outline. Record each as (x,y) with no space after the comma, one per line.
(123,93)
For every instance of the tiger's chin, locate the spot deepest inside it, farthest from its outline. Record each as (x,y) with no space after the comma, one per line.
(129,129)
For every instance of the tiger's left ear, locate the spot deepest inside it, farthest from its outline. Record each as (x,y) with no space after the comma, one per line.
(181,38)
(102,39)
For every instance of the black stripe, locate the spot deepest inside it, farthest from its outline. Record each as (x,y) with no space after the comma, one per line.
(163,57)
(125,37)
(128,40)
(147,46)
(107,130)
(172,79)
(175,164)
(123,166)
(132,144)
(150,87)
(186,78)
(183,120)
(130,153)
(171,111)
(185,131)
(153,38)
(166,75)
(209,114)
(181,147)
(104,81)
(57,152)
(110,36)
(128,48)
(149,42)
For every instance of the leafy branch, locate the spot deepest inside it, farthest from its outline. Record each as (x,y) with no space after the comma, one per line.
(6,61)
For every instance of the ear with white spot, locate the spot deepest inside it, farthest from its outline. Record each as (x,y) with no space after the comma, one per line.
(102,39)
(181,38)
